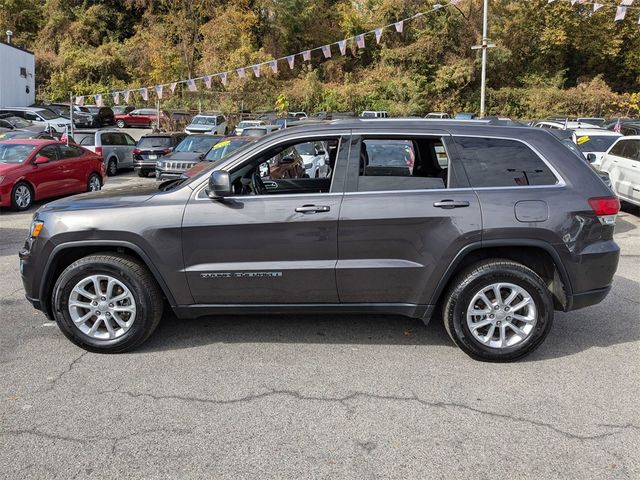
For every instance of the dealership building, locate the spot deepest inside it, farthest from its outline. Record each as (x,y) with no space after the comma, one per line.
(17,76)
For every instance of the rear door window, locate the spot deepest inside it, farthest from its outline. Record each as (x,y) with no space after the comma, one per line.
(69,151)
(49,151)
(495,162)
(86,139)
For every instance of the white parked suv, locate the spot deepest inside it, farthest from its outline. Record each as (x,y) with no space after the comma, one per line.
(212,123)
(40,116)
(593,142)
(622,163)
(247,124)
(316,159)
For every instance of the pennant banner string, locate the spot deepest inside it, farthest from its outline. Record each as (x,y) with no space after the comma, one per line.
(306,54)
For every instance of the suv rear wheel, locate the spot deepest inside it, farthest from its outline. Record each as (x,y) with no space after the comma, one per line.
(107,303)
(112,167)
(498,310)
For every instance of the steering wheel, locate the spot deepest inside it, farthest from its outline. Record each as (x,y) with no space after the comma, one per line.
(257,184)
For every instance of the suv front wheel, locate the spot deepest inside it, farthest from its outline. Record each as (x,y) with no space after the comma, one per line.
(107,303)
(498,310)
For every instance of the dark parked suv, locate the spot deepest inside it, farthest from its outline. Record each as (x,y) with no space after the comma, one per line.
(152,147)
(491,227)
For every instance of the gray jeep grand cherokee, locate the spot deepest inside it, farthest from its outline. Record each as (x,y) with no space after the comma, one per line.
(491,227)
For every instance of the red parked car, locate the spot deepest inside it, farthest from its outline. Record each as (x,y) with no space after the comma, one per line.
(36,169)
(142,117)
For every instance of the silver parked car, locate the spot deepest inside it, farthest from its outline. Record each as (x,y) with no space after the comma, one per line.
(116,147)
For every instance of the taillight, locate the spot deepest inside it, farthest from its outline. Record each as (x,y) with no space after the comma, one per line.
(136,151)
(606,208)
(99,150)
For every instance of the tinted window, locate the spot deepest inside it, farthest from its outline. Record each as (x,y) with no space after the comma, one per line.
(631,149)
(128,140)
(107,139)
(407,164)
(224,149)
(154,142)
(492,162)
(618,148)
(198,144)
(50,151)
(70,151)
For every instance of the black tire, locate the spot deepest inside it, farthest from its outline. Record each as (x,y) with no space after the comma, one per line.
(92,178)
(121,123)
(19,187)
(143,173)
(138,280)
(485,273)
(112,167)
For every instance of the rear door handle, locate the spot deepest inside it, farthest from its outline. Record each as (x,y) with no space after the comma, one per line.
(313,209)
(451,204)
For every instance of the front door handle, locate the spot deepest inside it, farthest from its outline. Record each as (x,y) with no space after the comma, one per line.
(313,209)
(451,204)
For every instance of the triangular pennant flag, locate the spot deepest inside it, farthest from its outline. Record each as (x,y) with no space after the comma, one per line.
(306,55)
(144,93)
(399,26)
(223,77)
(191,85)
(573,2)
(274,66)
(98,99)
(326,51)
(291,59)
(159,91)
(626,3)
(172,86)
(621,12)
(127,96)
(240,72)
(80,101)
(438,6)
(343,46)
(378,32)
(207,81)
(360,41)
(419,14)
(116,98)
(256,70)
(454,2)
(597,6)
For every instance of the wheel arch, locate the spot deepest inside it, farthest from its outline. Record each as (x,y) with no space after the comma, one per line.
(65,254)
(29,183)
(538,255)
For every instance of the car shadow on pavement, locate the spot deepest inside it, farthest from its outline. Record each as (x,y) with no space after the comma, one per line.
(615,321)
(622,226)
(173,333)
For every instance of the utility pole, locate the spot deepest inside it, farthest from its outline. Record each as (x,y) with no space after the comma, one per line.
(484,46)
(70,116)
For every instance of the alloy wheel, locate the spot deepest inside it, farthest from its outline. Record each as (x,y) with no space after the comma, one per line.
(22,196)
(102,307)
(501,315)
(94,184)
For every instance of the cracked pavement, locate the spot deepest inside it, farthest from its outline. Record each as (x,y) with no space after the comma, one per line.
(319,397)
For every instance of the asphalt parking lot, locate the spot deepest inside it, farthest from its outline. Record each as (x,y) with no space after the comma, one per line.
(319,397)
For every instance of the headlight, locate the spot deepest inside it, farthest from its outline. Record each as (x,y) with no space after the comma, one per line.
(159,164)
(308,165)
(62,125)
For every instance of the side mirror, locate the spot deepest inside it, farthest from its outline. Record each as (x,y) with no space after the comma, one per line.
(40,159)
(219,185)
(287,159)
(591,157)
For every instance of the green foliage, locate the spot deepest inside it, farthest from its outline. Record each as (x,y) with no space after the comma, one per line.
(550,59)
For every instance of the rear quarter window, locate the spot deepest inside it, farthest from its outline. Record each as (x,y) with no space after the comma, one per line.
(493,162)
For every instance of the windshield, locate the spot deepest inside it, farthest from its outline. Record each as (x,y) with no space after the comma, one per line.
(15,152)
(306,149)
(151,142)
(595,143)
(47,114)
(249,124)
(18,122)
(224,149)
(197,144)
(200,120)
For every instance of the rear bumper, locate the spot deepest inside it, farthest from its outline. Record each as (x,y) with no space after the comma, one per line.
(586,299)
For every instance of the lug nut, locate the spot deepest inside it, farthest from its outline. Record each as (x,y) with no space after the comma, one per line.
(94,303)
(111,305)
(103,298)
(492,316)
(496,307)
(508,319)
(498,323)
(108,314)
(506,309)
